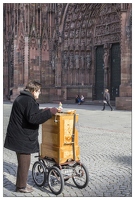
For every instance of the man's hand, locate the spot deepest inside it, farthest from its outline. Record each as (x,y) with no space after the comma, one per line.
(59,110)
(53,110)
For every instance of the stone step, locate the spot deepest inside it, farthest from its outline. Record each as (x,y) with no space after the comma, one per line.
(86,102)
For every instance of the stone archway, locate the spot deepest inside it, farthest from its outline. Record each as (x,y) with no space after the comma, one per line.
(88,26)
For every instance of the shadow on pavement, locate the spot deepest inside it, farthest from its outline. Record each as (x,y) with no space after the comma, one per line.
(125,160)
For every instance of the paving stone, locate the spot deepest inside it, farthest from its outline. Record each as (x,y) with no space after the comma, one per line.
(105,149)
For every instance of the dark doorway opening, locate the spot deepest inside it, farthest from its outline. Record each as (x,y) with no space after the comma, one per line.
(115,71)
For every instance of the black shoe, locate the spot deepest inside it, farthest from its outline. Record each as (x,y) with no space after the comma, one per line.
(102,109)
(112,109)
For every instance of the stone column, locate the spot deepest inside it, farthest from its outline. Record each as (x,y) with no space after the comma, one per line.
(15,85)
(106,64)
(124,101)
(58,74)
(26,61)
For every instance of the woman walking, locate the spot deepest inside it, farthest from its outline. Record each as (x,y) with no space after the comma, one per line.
(106,100)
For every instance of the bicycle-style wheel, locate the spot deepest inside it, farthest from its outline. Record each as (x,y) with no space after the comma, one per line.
(38,173)
(81,176)
(55,180)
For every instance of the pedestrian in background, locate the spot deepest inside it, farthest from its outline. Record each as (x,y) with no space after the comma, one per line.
(77,99)
(106,99)
(22,130)
(81,100)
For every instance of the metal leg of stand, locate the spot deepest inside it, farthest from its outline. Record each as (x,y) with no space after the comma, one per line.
(73,136)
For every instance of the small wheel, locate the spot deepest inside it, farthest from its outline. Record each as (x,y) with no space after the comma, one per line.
(55,180)
(38,173)
(80,176)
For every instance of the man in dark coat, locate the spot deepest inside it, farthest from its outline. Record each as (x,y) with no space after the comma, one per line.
(107,100)
(22,130)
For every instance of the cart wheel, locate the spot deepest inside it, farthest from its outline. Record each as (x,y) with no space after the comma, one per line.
(80,176)
(55,180)
(38,173)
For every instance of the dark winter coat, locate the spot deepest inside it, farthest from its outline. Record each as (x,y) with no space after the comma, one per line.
(107,96)
(22,130)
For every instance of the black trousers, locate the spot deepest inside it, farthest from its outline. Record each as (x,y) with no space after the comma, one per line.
(23,169)
(108,103)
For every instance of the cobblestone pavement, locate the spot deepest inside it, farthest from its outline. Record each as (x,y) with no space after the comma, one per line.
(105,148)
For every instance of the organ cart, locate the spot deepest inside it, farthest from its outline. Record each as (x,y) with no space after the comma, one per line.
(59,158)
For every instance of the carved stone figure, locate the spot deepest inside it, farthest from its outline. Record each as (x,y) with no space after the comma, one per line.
(65,61)
(77,61)
(33,43)
(44,46)
(71,61)
(106,58)
(82,61)
(88,62)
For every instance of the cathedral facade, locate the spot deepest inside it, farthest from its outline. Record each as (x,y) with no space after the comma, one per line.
(70,49)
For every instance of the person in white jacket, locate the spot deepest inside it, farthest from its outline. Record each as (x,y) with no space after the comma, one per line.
(81,100)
